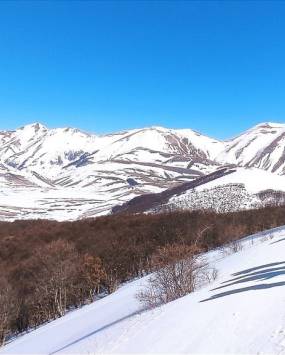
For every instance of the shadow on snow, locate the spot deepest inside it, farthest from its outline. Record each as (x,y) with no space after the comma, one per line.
(96,331)
(258,273)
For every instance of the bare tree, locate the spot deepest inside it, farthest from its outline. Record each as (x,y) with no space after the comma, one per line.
(200,234)
(6,308)
(55,284)
(93,275)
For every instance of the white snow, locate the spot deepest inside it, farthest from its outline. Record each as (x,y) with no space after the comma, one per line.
(254,180)
(241,312)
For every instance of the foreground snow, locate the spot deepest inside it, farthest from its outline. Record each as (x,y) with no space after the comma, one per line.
(241,312)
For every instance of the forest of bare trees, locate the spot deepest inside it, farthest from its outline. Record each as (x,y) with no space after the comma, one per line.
(48,268)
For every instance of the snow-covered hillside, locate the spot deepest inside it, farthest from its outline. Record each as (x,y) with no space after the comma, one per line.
(262,146)
(66,173)
(241,312)
(36,148)
(243,189)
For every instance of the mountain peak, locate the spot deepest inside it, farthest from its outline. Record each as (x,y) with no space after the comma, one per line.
(36,126)
(269,125)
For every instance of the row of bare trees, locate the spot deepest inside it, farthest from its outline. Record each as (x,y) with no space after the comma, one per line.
(57,278)
(6,308)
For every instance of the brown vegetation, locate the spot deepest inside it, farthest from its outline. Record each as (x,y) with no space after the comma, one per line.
(48,267)
(7,308)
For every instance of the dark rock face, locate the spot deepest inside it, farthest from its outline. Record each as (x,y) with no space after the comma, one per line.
(132,182)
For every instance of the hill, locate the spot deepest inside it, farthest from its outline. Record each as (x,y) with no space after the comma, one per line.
(242,311)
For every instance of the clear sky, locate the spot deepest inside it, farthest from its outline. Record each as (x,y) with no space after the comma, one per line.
(217,67)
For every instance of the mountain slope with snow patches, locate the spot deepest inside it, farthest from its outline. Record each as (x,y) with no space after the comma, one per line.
(263,146)
(225,190)
(66,173)
(241,312)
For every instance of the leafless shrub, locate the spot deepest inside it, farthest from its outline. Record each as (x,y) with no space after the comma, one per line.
(236,246)
(209,275)
(233,247)
(225,250)
(179,271)
(264,239)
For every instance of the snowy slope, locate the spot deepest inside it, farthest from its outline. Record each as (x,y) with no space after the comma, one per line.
(263,146)
(254,180)
(241,312)
(243,189)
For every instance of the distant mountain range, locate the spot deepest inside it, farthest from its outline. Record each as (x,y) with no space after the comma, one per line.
(67,174)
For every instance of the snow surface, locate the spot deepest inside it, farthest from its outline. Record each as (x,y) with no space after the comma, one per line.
(241,312)
(254,180)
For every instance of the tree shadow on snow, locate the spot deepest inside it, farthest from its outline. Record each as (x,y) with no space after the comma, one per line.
(246,271)
(258,273)
(278,241)
(239,290)
(95,332)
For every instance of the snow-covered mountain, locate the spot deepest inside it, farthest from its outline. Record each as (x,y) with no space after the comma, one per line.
(34,147)
(66,173)
(241,312)
(262,146)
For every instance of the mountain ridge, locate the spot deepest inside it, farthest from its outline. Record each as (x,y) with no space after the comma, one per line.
(60,165)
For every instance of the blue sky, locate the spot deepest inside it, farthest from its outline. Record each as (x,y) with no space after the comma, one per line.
(217,67)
